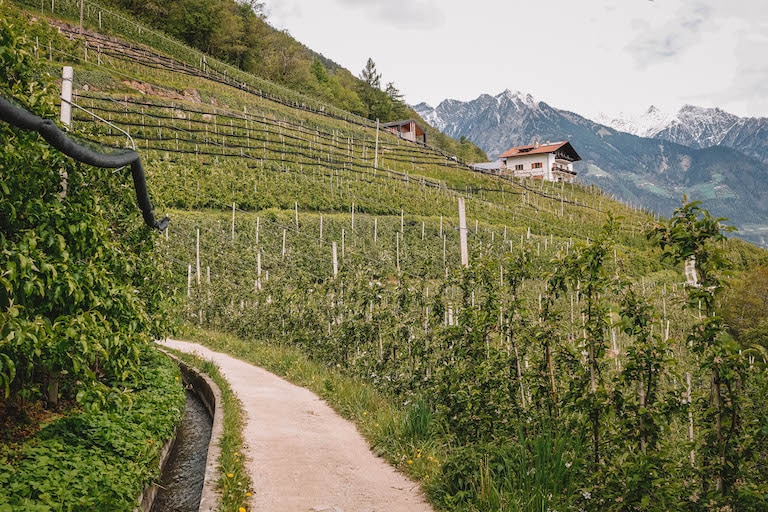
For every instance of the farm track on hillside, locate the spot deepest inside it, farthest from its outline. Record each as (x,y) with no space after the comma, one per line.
(301,454)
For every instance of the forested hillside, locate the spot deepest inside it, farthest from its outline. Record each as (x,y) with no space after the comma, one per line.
(571,364)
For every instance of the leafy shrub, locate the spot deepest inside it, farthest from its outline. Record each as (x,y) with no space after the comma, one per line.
(96,460)
(79,288)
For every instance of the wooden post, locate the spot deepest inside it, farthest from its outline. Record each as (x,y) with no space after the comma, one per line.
(296,207)
(375,228)
(233,221)
(376,151)
(321,230)
(257,230)
(258,270)
(463,233)
(422,230)
(82,2)
(402,220)
(197,251)
(342,242)
(353,217)
(335,260)
(445,255)
(690,416)
(441,226)
(66,96)
(397,250)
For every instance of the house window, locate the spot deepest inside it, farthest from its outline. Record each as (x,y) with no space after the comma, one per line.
(519,167)
(536,165)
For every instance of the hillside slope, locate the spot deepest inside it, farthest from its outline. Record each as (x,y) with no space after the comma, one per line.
(299,226)
(240,36)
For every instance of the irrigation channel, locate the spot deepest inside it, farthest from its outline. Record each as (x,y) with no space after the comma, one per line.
(181,485)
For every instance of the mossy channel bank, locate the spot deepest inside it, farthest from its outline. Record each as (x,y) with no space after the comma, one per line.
(188,470)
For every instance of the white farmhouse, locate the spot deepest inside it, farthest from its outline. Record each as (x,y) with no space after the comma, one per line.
(549,162)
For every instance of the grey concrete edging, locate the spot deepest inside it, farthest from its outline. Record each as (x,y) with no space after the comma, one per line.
(210,394)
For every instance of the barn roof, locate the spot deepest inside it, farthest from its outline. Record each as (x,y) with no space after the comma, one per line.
(403,122)
(531,149)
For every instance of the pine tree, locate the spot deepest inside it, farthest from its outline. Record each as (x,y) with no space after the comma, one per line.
(370,76)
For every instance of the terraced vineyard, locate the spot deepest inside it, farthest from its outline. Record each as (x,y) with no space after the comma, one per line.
(560,370)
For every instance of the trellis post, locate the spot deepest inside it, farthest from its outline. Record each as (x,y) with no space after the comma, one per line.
(463,233)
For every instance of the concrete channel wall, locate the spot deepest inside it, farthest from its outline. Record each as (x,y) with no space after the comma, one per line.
(210,395)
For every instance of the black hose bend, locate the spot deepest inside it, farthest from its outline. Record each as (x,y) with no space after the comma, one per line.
(57,138)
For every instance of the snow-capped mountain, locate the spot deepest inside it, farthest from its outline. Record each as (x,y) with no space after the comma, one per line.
(647,124)
(697,127)
(707,154)
(508,113)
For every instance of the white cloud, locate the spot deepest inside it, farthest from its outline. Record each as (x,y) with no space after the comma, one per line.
(586,55)
(407,14)
(673,37)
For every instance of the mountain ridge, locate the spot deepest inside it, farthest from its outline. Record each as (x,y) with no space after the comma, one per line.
(697,127)
(654,172)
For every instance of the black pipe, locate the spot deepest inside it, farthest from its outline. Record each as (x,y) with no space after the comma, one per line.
(57,138)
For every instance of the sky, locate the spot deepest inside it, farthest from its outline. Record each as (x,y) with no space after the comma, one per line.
(588,56)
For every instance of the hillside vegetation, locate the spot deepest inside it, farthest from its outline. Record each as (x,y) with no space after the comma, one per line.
(85,402)
(237,33)
(568,367)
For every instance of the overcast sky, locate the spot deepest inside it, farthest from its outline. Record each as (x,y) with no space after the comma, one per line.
(589,56)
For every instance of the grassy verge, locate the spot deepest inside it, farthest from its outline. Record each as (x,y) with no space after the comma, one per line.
(234,482)
(403,433)
(98,460)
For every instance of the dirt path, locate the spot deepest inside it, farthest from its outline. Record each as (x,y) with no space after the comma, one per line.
(301,455)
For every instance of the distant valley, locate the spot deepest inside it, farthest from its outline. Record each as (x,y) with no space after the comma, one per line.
(650,161)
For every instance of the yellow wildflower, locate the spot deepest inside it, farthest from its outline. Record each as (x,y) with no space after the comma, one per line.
(230,475)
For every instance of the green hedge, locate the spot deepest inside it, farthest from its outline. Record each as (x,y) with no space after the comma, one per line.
(99,460)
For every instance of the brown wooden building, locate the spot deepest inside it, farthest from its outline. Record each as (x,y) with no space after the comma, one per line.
(407,129)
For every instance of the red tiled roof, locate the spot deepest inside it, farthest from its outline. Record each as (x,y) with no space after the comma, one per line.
(532,150)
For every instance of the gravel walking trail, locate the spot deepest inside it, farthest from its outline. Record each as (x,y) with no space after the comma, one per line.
(301,455)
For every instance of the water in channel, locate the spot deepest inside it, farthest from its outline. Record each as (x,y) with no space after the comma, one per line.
(181,484)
